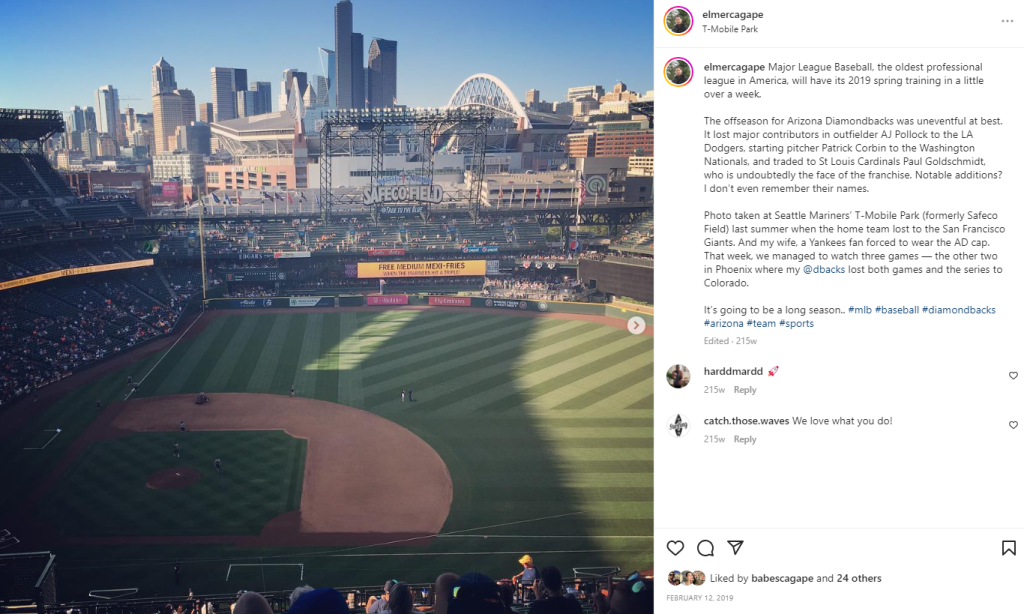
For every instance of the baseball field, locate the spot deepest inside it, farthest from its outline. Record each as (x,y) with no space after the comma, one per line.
(523,433)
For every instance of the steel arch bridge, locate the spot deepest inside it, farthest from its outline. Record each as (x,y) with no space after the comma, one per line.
(489,92)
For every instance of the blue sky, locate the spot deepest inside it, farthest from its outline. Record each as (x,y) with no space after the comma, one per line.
(56,53)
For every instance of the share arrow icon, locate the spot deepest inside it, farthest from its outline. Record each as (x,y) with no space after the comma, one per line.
(736,545)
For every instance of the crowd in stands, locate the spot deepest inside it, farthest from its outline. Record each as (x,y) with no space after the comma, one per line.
(48,331)
(532,287)
(23,262)
(249,291)
(533,591)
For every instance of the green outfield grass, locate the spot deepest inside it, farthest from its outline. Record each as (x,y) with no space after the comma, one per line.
(545,425)
(105,493)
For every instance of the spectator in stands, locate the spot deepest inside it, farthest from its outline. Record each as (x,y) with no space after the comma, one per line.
(298,592)
(319,601)
(550,597)
(251,603)
(475,593)
(400,599)
(443,592)
(633,595)
(378,605)
(529,573)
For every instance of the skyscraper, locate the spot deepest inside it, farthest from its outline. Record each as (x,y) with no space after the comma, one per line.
(327,92)
(289,75)
(358,79)
(76,119)
(343,48)
(109,112)
(222,82)
(163,78)
(90,119)
(245,103)
(188,106)
(261,97)
(206,112)
(383,77)
(167,116)
(532,98)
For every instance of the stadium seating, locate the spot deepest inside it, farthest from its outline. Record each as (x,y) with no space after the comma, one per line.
(50,177)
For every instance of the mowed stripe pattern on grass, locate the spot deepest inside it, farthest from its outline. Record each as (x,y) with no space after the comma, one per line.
(534,417)
(105,493)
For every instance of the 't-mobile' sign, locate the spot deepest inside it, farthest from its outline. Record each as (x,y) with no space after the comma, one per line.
(432,268)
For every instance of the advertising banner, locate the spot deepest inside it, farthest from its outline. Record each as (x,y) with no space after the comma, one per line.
(434,268)
(82,270)
(309,301)
(390,299)
(251,303)
(485,249)
(502,303)
(292,254)
(389,251)
(450,301)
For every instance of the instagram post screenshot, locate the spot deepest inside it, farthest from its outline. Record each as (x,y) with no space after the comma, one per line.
(327,306)
(840,429)
(348,306)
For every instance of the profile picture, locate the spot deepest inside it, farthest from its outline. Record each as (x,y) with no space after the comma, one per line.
(675,578)
(688,579)
(678,425)
(679,20)
(678,72)
(678,376)
(699,578)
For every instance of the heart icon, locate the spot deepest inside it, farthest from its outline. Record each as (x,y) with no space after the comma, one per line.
(1013,425)
(1013,375)
(675,546)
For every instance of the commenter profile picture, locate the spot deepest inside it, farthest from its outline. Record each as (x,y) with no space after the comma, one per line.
(678,20)
(678,376)
(678,72)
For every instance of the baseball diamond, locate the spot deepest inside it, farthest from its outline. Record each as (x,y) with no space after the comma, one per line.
(526,431)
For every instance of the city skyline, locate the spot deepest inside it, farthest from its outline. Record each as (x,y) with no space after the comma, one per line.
(423,80)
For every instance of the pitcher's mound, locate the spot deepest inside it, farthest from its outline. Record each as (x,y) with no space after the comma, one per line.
(176,477)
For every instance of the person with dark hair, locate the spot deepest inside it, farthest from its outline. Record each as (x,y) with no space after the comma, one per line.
(400,599)
(680,74)
(475,593)
(252,603)
(508,596)
(550,597)
(680,23)
(378,605)
(633,595)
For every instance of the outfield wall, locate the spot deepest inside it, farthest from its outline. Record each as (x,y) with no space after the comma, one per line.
(398,300)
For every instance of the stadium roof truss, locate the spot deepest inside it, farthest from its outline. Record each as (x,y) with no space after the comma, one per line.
(25,130)
(483,91)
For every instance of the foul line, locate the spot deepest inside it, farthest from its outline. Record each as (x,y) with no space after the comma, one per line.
(55,433)
(176,341)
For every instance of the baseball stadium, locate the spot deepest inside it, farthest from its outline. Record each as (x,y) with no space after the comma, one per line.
(264,389)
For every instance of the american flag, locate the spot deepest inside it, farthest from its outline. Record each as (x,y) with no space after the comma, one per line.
(583,190)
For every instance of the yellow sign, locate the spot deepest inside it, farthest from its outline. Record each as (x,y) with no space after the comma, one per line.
(82,270)
(434,268)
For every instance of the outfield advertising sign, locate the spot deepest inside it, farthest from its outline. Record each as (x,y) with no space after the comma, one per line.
(427,268)
(305,301)
(450,301)
(502,303)
(390,299)
(484,249)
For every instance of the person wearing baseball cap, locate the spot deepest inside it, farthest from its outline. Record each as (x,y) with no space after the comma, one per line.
(529,573)
(475,593)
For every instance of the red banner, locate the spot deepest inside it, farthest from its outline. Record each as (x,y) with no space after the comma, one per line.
(390,299)
(450,301)
(380,251)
